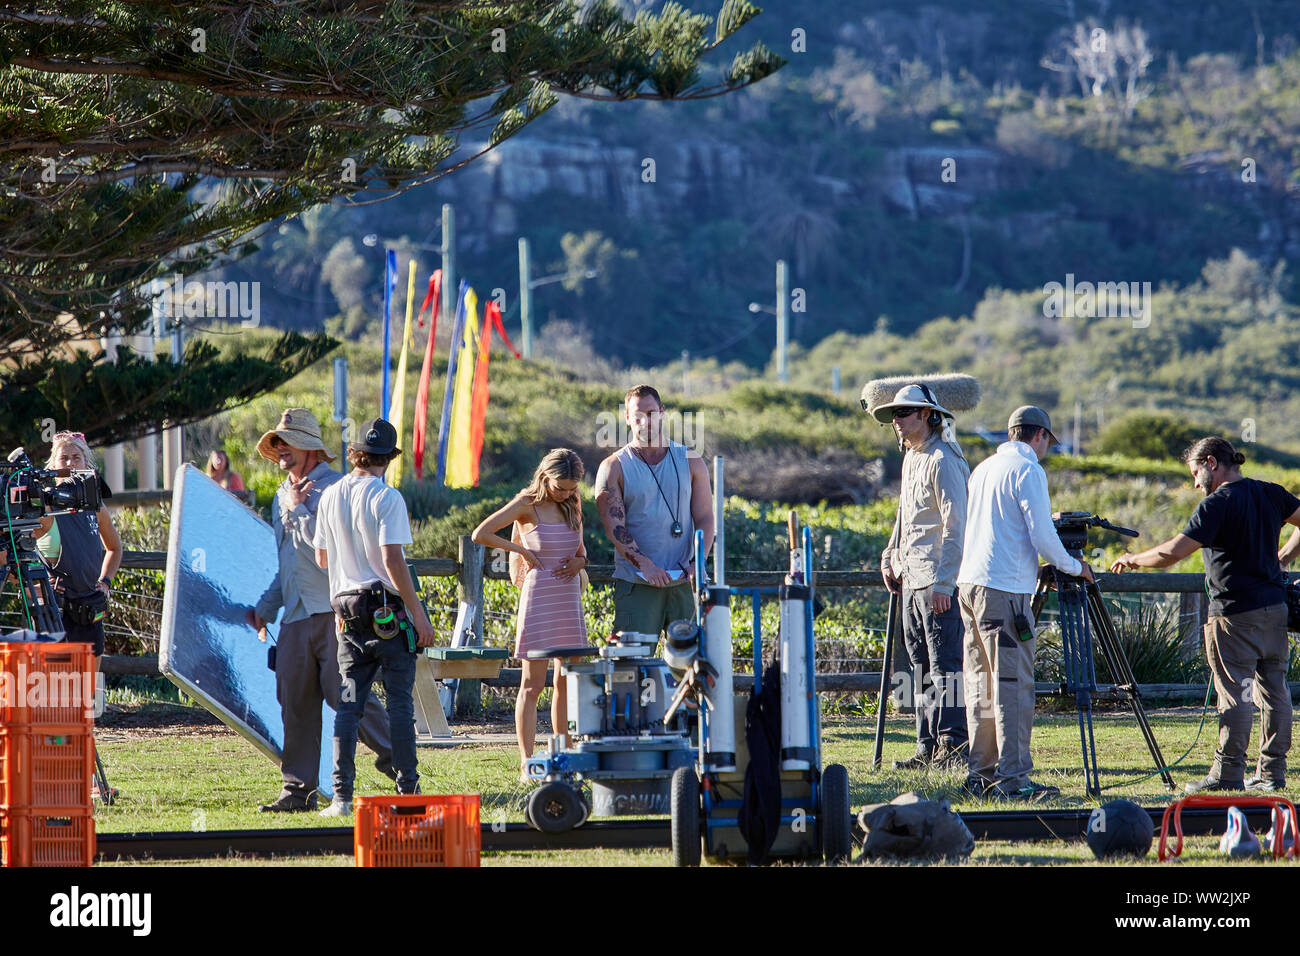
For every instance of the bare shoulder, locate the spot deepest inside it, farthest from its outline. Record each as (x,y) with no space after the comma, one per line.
(609,474)
(520,508)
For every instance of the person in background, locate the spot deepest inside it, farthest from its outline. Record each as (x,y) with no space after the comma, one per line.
(922,562)
(1238,523)
(1008,525)
(549,515)
(220,472)
(82,550)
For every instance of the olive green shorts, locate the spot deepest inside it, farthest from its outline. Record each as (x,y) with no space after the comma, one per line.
(649,610)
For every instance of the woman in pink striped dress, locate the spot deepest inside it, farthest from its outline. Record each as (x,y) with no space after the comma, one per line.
(549,515)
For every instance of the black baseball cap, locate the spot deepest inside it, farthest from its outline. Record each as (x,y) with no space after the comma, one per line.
(376,437)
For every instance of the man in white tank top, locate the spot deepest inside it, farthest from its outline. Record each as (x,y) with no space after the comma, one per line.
(652,494)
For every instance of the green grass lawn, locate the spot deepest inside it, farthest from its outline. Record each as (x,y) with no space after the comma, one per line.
(211,779)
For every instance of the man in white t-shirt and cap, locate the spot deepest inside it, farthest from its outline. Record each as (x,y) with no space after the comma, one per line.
(361,527)
(1008,525)
(921,560)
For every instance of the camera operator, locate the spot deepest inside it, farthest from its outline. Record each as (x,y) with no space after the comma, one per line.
(361,526)
(1238,524)
(1008,525)
(928,531)
(83,551)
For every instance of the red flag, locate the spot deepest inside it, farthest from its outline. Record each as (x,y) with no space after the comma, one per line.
(501,329)
(435,283)
(478,411)
(422,391)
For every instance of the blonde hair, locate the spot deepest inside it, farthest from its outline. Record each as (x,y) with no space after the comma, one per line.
(560,464)
(77,441)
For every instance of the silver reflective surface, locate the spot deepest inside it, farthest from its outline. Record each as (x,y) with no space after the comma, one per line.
(220,558)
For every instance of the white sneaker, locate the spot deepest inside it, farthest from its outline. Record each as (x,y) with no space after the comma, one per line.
(338,808)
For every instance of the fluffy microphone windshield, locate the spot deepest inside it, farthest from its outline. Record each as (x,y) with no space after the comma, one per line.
(955,392)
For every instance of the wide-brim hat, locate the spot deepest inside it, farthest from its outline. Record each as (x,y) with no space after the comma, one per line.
(298,428)
(909,396)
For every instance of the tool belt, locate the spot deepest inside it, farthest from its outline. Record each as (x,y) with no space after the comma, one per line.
(85,612)
(373,611)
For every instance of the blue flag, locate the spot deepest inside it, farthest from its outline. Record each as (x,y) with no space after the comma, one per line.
(390,286)
(457,333)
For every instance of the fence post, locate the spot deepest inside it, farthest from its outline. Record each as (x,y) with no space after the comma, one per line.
(469,588)
(1192,617)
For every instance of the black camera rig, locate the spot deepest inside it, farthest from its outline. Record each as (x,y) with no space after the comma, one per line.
(1072,528)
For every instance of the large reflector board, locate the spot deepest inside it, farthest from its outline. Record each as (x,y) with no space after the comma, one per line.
(220,559)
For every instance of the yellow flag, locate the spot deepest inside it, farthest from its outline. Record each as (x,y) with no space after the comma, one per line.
(459,472)
(394,474)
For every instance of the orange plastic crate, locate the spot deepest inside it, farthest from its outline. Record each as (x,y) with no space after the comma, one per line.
(62,837)
(46,683)
(417,830)
(46,766)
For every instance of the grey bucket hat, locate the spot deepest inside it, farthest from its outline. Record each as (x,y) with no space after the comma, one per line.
(909,396)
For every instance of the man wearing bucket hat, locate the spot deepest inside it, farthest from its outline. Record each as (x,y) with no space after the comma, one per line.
(359,539)
(1008,525)
(922,558)
(306,654)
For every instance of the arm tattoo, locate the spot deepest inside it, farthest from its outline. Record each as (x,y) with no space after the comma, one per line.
(616,512)
(630,550)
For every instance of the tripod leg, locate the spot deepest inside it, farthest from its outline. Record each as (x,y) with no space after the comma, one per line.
(1079,676)
(106,793)
(891,624)
(1122,673)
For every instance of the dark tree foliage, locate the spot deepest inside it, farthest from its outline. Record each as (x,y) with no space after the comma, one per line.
(139,140)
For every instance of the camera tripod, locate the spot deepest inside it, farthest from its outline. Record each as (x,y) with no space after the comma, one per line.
(1083,614)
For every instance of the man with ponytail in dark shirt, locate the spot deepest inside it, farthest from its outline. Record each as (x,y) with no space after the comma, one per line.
(1238,525)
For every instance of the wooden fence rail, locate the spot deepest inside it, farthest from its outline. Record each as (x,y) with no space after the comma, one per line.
(471,568)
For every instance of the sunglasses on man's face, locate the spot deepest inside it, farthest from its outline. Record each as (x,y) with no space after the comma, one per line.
(901,413)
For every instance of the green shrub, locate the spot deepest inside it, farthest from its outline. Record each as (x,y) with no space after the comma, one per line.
(1146,435)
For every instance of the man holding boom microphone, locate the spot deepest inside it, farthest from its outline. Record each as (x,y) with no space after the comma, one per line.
(1238,524)
(922,561)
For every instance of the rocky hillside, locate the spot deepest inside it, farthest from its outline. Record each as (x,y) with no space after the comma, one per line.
(906,161)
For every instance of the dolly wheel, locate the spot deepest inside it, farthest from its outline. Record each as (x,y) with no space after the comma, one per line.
(837,846)
(686,817)
(555,807)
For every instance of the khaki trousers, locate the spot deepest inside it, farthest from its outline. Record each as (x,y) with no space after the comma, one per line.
(999,683)
(1247,654)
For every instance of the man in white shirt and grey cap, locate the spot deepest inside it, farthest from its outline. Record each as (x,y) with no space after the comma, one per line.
(922,559)
(1008,525)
